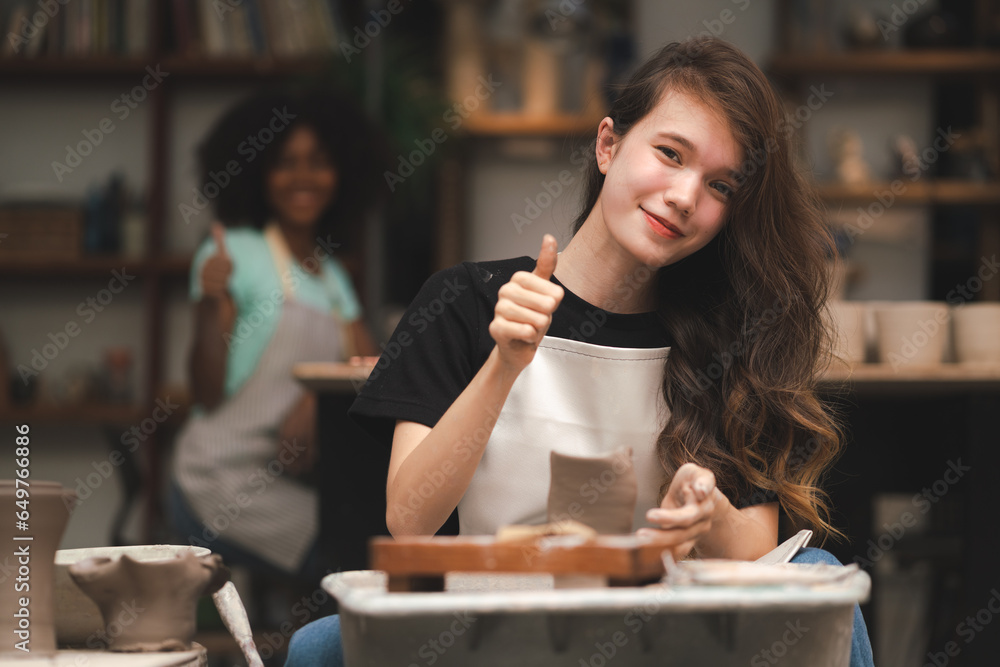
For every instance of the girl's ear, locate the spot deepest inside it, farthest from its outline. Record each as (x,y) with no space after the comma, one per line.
(607,143)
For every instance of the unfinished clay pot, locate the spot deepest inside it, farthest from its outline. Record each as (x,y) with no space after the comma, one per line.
(77,619)
(149,605)
(26,624)
(599,491)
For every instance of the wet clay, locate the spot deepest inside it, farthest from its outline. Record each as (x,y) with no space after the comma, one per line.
(26,597)
(599,492)
(149,605)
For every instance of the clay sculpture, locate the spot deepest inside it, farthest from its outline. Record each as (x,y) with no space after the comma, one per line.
(599,492)
(41,510)
(149,605)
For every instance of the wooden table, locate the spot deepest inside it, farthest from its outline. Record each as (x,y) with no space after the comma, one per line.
(352,465)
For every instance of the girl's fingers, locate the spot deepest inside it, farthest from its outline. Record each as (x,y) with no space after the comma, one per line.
(534,283)
(516,313)
(505,330)
(674,536)
(543,302)
(682,517)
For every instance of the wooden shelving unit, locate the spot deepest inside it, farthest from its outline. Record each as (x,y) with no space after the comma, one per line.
(958,62)
(977,68)
(523,125)
(892,429)
(94,266)
(945,193)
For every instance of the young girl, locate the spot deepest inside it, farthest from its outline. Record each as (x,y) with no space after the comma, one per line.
(268,294)
(683,320)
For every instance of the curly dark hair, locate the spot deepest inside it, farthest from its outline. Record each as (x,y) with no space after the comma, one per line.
(354,144)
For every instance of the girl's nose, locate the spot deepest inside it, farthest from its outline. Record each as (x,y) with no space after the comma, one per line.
(683,192)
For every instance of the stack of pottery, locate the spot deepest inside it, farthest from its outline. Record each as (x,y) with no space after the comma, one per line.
(913,333)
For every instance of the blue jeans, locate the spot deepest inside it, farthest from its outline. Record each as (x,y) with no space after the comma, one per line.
(318,643)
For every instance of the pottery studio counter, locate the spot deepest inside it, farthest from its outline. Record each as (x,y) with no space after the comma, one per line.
(907,429)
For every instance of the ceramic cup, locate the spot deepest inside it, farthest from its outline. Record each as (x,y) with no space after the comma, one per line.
(977,332)
(912,333)
(846,320)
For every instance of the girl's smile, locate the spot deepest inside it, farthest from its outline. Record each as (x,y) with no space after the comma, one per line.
(661,226)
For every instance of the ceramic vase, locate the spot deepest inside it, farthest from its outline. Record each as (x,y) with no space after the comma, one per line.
(29,548)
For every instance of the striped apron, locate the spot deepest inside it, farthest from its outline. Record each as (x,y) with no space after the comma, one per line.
(575,398)
(226,461)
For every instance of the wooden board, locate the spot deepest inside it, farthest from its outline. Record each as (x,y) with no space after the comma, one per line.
(423,561)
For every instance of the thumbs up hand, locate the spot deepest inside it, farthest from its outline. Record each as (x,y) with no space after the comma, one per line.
(218,267)
(524,309)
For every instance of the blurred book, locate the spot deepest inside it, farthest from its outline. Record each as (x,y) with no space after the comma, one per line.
(76,29)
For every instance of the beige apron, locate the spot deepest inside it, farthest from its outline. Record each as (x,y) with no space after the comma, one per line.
(575,398)
(226,461)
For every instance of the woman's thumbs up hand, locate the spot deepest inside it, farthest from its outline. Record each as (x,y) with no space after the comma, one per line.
(524,309)
(218,267)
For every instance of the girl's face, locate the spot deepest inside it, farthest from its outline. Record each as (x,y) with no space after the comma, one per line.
(302,183)
(667,182)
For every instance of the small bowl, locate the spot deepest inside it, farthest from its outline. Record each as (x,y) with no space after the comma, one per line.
(77,618)
(977,332)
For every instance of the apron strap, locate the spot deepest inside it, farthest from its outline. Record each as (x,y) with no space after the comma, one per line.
(282,257)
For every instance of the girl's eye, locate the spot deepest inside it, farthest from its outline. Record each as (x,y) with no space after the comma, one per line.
(724,189)
(670,153)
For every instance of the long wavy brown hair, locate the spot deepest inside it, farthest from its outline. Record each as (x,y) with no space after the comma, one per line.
(744,312)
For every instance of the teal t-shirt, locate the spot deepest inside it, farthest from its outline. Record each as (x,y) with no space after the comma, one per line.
(257,292)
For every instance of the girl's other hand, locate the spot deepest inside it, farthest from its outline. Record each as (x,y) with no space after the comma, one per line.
(524,309)
(687,511)
(217,268)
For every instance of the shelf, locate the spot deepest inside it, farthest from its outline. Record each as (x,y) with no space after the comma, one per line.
(93,266)
(883,379)
(185,67)
(83,413)
(252,68)
(521,125)
(914,192)
(877,63)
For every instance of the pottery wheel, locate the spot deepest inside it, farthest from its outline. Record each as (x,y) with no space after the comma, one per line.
(196,657)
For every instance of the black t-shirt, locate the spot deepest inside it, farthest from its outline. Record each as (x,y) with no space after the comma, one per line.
(443,340)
